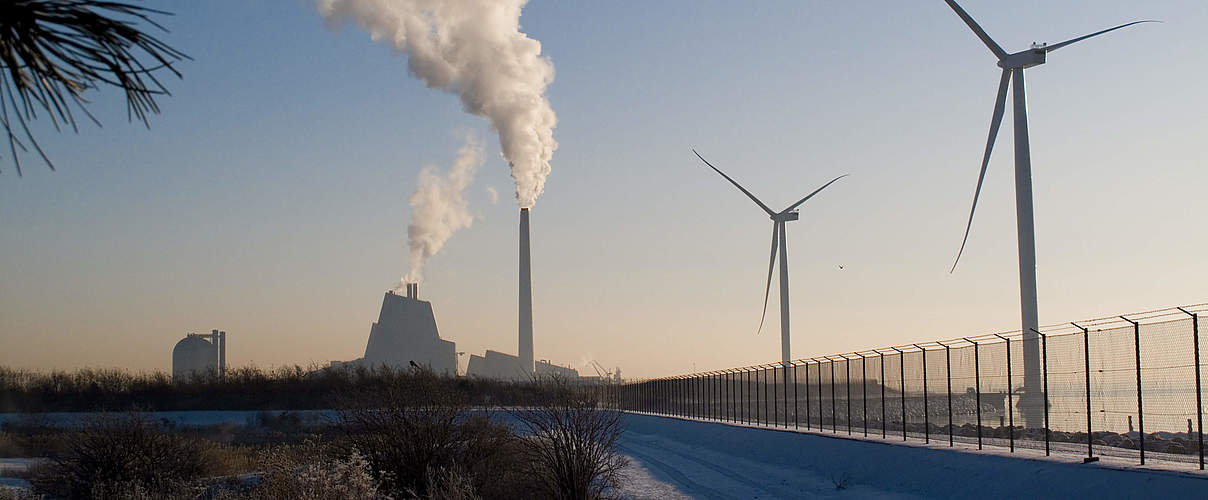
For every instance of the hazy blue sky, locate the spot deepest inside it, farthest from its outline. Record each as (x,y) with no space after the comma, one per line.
(269,198)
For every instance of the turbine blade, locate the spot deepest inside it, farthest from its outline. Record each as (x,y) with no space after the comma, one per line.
(999,104)
(771,265)
(977,29)
(1056,46)
(811,195)
(736,184)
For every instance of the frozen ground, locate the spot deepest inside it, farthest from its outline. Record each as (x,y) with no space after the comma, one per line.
(718,461)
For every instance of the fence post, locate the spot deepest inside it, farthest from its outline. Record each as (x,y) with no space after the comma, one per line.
(752,397)
(730,396)
(834,413)
(718,402)
(948,370)
(1199,405)
(706,396)
(796,405)
(765,395)
(719,376)
(733,396)
(776,392)
(821,418)
(715,387)
(902,386)
(847,367)
(673,399)
(1086,370)
(757,373)
(694,395)
(884,423)
(1140,408)
(926,412)
(1044,366)
(864,391)
(784,370)
(977,389)
(679,400)
(1010,397)
(807,396)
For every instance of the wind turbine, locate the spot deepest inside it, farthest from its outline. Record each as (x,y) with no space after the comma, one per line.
(1013,66)
(778,237)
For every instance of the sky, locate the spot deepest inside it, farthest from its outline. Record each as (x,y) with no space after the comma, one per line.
(269,199)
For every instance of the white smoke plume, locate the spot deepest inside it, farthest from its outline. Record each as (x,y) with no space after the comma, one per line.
(438,208)
(474,49)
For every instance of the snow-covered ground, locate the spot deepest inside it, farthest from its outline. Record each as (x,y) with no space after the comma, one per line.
(719,461)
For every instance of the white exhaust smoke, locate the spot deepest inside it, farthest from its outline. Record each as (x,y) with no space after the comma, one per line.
(439,209)
(475,49)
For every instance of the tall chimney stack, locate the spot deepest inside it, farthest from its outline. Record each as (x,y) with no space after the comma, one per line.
(525,353)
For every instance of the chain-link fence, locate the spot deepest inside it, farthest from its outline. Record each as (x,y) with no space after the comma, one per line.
(1128,386)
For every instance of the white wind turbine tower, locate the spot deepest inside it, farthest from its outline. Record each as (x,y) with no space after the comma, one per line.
(1013,66)
(778,221)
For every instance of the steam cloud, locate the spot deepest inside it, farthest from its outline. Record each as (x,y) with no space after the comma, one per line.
(438,208)
(474,49)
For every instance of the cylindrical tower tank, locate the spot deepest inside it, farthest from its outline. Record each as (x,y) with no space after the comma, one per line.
(192,356)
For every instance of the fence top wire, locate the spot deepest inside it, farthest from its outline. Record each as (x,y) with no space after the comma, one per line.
(1093,325)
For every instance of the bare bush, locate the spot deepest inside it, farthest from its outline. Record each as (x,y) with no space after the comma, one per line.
(407,430)
(122,457)
(450,483)
(313,472)
(570,446)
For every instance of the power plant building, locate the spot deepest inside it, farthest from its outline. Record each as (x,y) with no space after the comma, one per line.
(199,354)
(405,334)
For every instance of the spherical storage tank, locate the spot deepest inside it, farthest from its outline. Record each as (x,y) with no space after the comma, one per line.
(194,355)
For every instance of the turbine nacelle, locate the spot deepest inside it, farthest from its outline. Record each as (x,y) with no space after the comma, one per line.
(786,216)
(1024,59)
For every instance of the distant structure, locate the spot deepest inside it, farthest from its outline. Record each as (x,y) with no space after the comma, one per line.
(200,354)
(405,334)
(496,365)
(544,369)
(525,349)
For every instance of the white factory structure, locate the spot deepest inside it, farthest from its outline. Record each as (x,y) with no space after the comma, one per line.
(199,354)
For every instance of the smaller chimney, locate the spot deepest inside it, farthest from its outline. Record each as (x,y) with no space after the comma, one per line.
(214,339)
(222,354)
(415,291)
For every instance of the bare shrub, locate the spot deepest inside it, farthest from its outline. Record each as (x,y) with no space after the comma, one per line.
(313,472)
(407,430)
(11,493)
(122,457)
(841,481)
(570,446)
(450,483)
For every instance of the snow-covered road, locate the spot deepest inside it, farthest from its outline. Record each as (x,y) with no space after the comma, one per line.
(716,461)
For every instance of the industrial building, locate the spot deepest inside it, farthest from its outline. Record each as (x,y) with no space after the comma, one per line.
(200,354)
(405,334)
